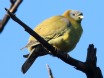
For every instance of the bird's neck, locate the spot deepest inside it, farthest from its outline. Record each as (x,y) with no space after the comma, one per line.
(77,26)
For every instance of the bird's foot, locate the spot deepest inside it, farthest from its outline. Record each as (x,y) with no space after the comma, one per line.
(25,56)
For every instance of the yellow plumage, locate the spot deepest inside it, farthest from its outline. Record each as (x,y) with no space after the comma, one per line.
(63,32)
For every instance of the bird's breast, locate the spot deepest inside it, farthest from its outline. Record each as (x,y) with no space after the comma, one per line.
(67,41)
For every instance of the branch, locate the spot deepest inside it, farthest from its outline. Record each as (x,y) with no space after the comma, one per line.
(13,8)
(49,71)
(89,67)
(91,63)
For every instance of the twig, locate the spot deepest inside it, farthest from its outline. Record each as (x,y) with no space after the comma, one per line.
(49,71)
(89,67)
(13,8)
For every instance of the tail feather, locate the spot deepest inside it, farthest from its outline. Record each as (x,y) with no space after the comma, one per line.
(36,51)
(27,65)
(30,60)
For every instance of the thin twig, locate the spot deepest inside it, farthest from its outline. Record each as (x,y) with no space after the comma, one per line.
(13,8)
(49,71)
(12,3)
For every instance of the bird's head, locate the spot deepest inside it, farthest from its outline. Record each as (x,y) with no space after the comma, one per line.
(74,15)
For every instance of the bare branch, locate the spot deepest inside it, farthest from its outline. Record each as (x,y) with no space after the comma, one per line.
(49,71)
(12,3)
(91,63)
(13,8)
(89,67)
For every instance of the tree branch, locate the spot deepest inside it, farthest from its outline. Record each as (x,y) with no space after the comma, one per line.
(89,67)
(91,63)
(13,8)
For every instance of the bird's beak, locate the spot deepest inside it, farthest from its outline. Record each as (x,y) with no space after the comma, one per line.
(81,16)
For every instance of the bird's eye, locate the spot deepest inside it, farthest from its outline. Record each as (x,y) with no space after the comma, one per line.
(73,14)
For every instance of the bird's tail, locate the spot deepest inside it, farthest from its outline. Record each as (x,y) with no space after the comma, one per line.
(36,51)
(30,60)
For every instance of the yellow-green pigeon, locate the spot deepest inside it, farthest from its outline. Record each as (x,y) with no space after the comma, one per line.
(62,32)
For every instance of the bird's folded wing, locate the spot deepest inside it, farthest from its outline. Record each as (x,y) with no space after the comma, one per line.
(31,43)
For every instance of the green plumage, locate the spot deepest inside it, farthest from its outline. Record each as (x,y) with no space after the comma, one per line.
(63,32)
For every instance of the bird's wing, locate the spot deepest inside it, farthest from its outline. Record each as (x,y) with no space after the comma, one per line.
(51,28)
(30,43)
